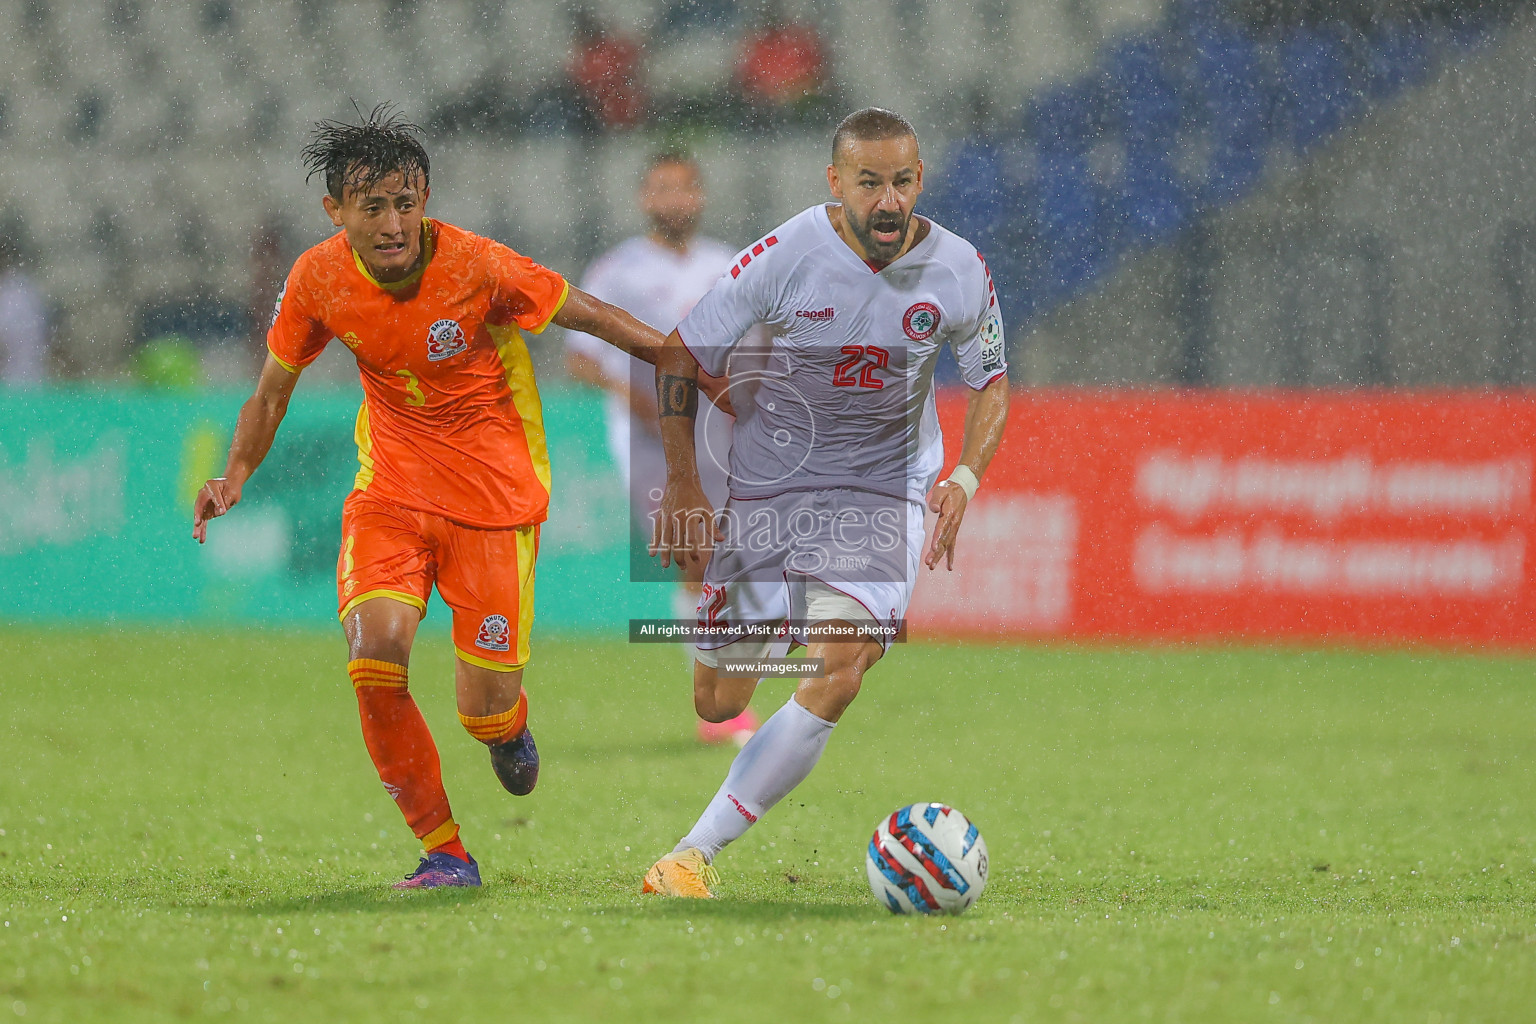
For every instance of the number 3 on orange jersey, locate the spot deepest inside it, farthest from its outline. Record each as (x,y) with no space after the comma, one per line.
(412,385)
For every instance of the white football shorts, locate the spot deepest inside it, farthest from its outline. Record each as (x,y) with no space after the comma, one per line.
(807,557)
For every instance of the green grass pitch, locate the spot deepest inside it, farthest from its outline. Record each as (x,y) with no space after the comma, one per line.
(192,830)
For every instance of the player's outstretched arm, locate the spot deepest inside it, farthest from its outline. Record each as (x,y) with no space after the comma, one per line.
(254,431)
(985,416)
(685,528)
(591,315)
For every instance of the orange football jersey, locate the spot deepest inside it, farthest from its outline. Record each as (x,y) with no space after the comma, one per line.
(451,422)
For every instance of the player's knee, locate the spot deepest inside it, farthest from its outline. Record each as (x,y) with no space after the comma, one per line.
(380,637)
(717,699)
(495,727)
(713,704)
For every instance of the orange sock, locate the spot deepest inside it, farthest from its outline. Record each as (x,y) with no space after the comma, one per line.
(452,846)
(495,729)
(403,752)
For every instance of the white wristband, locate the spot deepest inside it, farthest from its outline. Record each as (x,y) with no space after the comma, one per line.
(967,480)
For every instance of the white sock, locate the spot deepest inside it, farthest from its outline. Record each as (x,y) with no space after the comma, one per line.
(775,760)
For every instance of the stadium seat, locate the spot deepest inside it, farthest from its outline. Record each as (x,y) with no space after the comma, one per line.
(1145,101)
(1235,98)
(1046,44)
(1235,101)
(1117,18)
(691,72)
(1069,223)
(796,177)
(1153,204)
(617,177)
(1318,91)
(1396,55)
(1064,119)
(726,180)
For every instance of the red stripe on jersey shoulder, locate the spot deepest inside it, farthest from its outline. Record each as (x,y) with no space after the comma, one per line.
(757,249)
(991,289)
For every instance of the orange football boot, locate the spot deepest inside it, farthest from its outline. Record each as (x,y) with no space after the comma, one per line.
(685,874)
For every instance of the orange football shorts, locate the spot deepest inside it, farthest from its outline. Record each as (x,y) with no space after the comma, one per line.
(484,576)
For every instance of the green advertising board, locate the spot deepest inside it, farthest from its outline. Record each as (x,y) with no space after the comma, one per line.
(96,490)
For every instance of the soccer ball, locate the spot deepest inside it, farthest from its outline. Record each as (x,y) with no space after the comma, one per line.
(926,859)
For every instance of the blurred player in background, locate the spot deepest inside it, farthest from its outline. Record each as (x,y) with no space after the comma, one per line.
(454,478)
(832,458)
(658,276)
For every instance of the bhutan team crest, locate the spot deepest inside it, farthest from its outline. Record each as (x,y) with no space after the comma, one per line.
(445,338)
(494,635)
(920,321)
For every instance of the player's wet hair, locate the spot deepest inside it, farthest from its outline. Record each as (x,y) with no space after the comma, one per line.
(359,156)
(872,124)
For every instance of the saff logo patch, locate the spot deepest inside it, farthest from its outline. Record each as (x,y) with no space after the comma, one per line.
(920,321)
(991,335)
(277,307)
(444,339)
(494,634)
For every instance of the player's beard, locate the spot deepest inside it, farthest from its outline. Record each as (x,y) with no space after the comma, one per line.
(874,248)
(676,228)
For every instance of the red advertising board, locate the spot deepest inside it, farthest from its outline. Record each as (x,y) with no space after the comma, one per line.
(1374,517)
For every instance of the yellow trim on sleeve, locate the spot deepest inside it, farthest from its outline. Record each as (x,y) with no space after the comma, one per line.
(518,365)
(494,666)
(426,247)
(280,361)
(398,595)
(565,293)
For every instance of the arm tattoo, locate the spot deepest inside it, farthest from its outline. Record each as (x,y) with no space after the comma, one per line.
(677,396)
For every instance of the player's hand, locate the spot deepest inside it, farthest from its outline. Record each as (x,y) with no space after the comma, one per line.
(214,498)
(685,525)
(949,501)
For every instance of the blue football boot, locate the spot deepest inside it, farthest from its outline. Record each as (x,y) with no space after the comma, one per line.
(516,763)
(438,869)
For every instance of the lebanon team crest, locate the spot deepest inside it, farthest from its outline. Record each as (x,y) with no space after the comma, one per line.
(445,338)
(493,633)
(920,321)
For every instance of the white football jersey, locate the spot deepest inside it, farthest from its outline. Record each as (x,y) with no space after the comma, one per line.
(657,286)
(842,394)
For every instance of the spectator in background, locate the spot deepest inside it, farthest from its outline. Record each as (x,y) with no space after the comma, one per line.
(782,70)
(605,74)
(657,277)
(23,321)
(679,17)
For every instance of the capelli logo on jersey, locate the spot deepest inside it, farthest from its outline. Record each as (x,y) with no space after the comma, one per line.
(817,314)
(445,339)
